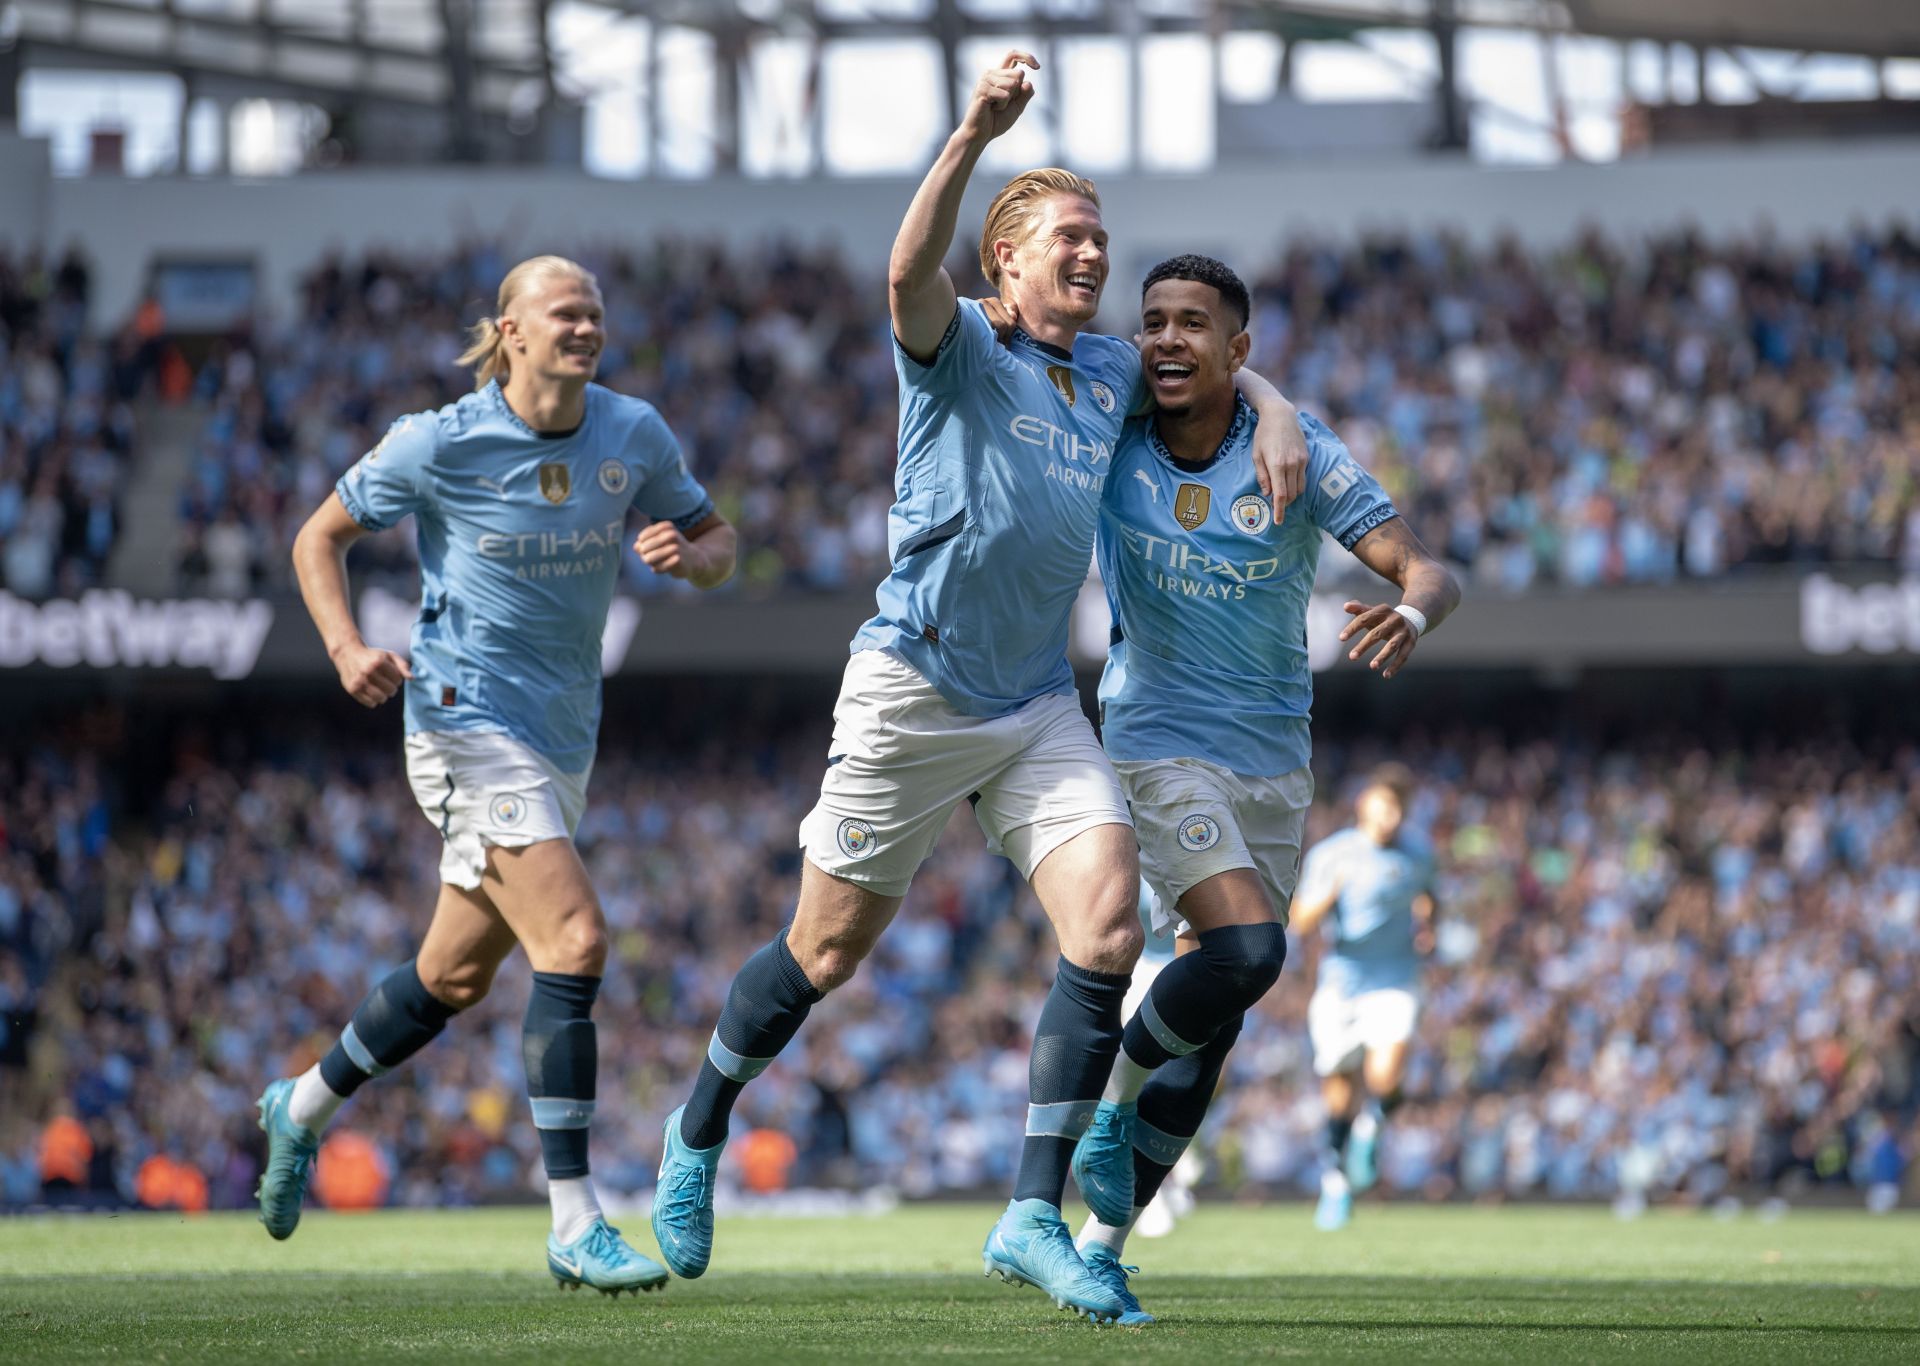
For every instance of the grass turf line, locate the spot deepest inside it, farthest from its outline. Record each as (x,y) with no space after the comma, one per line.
(1408,1283)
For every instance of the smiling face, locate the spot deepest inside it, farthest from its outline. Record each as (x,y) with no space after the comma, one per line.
(1191,342)
(556,329)
(1056,273)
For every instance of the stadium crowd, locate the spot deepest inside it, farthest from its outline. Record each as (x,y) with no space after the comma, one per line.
(1601,413)
(66,427)
(1675,971)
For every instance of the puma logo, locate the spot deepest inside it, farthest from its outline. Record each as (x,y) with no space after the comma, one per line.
(487,483)
(1152,487)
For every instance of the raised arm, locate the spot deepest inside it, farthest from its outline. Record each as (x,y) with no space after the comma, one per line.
(370,676)
(1428,592)
(919,291)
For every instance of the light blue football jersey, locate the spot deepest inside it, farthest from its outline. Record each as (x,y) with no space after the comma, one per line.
(1209,597)
(1004,453)
(1372,919)
(520,538)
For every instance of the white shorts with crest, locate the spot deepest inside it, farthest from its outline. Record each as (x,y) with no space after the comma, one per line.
(1197,819)
(902,759)
(481,789)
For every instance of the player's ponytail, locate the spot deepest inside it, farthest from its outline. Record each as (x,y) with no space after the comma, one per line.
(486,346)
(486,352)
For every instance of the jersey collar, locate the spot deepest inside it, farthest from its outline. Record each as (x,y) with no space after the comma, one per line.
(1020,334)
(499,399)
(1243,418)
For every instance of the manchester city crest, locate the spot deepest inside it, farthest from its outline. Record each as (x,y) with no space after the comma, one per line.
(1252,514)
(856,838)
(1103,396)
(508,809)
(614,477)
(1198,832)
(556,482)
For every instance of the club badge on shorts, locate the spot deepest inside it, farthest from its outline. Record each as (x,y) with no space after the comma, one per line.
(1251,514)
(1198,832)
(556,482)
(856,838)
(508,809)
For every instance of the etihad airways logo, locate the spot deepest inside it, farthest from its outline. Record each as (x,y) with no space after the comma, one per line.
(1172,559)
(547,545)
(1069,446)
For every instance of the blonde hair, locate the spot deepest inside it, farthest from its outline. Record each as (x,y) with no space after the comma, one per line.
(1013,210)
(486,348)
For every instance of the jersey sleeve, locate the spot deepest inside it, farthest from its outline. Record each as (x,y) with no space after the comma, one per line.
(1342,498)
(963,353)
(393,479)
(668,492)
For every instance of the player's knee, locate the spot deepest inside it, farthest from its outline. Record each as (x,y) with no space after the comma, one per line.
(1113,947)
(459,985)
(1246,959)
(579,945)
(829,965)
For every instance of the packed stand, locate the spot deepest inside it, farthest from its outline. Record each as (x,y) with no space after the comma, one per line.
(66,426)
(1675,971)
(1598,414)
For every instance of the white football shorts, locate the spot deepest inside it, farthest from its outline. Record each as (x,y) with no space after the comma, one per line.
(1344,1028)
(481,789)
(902,758)
(1196,819)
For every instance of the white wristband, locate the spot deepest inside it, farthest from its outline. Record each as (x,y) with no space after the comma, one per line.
(1414,615)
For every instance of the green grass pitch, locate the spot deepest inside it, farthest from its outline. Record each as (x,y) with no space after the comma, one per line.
(1402,1284)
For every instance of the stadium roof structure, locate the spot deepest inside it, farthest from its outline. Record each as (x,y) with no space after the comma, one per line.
(480,78)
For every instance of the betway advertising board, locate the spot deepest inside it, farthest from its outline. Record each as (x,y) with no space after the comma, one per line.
(1815,620)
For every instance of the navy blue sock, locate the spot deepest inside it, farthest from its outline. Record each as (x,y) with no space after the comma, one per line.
(766,1006)
(1073,1051)
(1339,1129)
(1198,992)
(398,1018)
(562,1054)
(1172,1104)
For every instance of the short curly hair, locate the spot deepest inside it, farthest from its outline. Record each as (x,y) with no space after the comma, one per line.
(1206,271)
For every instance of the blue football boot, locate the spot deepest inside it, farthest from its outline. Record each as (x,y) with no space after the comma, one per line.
(601,1259)
(1106,1269)
(1103,1163)
(683,1202)
(1031,1246)
(1335,1210)
(291,1149)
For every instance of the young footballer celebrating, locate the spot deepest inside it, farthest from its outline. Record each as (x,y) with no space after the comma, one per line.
(1205,703)
(959,688)
(521,492)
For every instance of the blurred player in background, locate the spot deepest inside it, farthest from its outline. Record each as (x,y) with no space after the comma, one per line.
(521,491)
(1376,880)
(1205,704)
(959,688)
